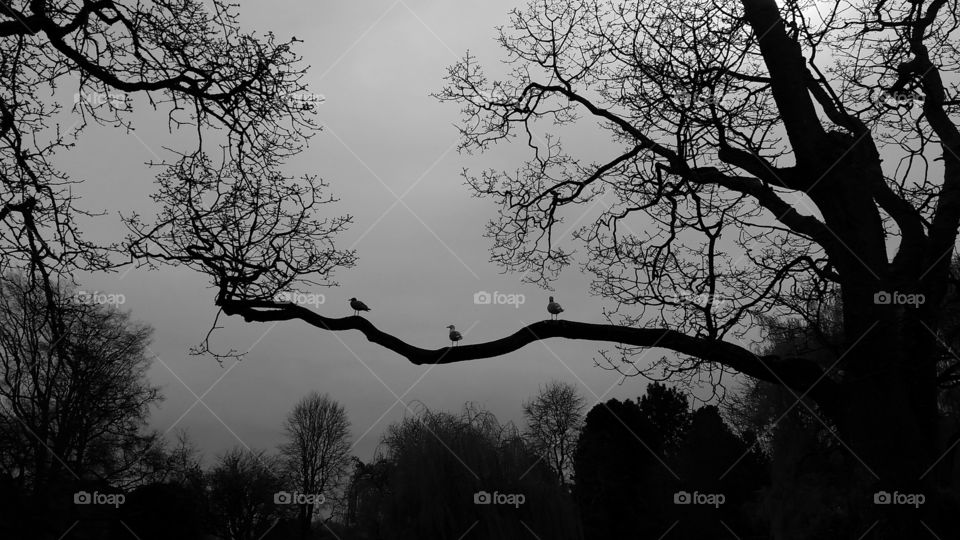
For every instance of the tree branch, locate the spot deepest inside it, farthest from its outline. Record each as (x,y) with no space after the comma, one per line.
(788,79)
(800,374)
(766,197)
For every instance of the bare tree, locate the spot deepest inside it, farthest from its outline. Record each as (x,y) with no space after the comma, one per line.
(77,408)
(243,486)
(236,98)
(73,403)
(818,140)
(317,451)
(435,464)
(554,417)
(181,463)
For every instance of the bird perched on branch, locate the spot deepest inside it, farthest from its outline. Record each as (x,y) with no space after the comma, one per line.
(554,309)
(358,306)
(454,335)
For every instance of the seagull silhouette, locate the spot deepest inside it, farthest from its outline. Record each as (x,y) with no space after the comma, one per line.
(358,306)
(454,335)
(554,309)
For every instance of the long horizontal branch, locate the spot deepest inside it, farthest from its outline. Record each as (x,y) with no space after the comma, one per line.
(800,374)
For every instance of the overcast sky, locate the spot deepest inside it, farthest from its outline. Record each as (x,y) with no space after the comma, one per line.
(388,151)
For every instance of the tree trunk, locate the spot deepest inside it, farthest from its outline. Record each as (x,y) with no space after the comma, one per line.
(305,519)
(886,420)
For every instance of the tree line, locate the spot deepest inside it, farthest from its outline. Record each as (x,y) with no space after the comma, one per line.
(77,455)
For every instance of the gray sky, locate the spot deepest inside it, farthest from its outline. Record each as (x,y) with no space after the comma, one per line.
(421,259)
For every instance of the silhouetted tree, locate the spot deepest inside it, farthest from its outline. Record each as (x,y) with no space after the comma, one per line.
(801,135)
(242,99)
(243,486)
(554,417)
(618,457)
(668,411)
(728,120)
(807,494)
(172,502)
(634,459)
(182,464)
(715,461)
(367,497)
(317,452)
(74,402)
(431,479)
(808,497)
(240,96)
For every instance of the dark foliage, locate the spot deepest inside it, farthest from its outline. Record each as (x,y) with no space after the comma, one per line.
(638,466)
